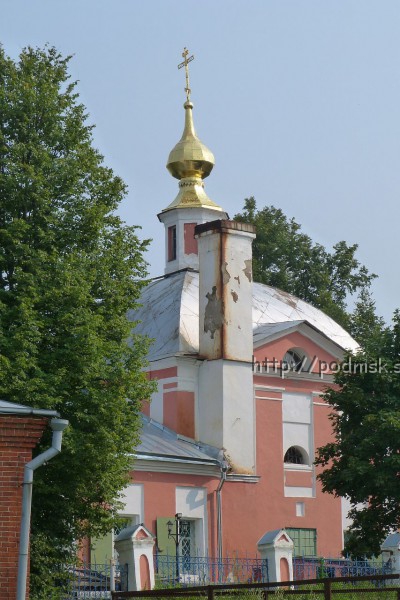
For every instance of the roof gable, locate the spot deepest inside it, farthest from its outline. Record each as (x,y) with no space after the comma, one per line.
(307,336)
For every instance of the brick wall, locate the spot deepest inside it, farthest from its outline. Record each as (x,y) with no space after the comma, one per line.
(18,436)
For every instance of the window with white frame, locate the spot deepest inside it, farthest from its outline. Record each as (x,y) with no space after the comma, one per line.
(295,455)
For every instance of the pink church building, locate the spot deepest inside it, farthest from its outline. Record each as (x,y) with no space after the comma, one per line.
(229,437)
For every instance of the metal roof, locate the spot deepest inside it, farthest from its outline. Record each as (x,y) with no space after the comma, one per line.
(392,541)
(11,408)
(170,314)
(266,330)
(159,441)
(271,305)
(4,404)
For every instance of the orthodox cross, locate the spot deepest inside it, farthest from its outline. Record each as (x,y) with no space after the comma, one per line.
(186,60)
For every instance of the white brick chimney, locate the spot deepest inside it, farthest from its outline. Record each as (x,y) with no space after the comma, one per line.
(226,404)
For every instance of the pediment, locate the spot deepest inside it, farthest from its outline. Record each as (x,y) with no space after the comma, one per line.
(297,334)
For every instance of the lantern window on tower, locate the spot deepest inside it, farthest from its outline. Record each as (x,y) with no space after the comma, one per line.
(172,243)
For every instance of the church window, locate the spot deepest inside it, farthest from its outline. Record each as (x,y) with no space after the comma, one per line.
(295,360)
(190,241)
(295,456)
(305,541)
(172,243)
(187,543)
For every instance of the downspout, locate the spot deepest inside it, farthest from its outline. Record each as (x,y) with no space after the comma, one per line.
(58,426)
(224,469)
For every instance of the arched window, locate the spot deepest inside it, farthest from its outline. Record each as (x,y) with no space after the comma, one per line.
(295,359)
(296,456)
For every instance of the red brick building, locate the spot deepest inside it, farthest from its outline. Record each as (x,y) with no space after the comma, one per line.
(21,428)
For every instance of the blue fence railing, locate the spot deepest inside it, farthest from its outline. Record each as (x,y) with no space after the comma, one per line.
(203,570)
(314,568)
(96,581)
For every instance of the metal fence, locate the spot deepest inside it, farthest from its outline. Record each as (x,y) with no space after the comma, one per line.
(318,568)
(202,570)
(375,587)
(96,581)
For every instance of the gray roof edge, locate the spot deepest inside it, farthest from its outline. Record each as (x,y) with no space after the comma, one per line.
(277,325)
(176,458)
(9,408)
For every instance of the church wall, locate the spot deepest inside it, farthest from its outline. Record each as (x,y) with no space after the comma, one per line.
(163,373)
(280,495)
(175,402)
(194,496)
(298,479)
(263,506)
(179,411)
(332,506)
(285,495)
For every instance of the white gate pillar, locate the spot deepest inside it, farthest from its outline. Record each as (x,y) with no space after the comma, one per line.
(135,548)
(277,547)
(391,552)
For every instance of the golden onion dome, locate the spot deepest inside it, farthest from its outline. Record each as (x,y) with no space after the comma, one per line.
(190,160)
(190,157)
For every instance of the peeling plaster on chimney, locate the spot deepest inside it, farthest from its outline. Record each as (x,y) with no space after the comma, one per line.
(213,316)
(225,275)
(248,269)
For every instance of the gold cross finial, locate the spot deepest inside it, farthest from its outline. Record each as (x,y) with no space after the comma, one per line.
(186,60)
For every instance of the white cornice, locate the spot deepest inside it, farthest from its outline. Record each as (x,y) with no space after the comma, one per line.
(297,376)
(237,477)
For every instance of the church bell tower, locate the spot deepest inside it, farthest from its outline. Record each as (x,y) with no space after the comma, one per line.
(200,236)
(190,161)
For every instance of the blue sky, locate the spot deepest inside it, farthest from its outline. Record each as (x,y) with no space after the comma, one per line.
(298,99)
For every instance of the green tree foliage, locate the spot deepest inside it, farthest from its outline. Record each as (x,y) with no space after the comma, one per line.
(286,258)
(365,326)
(70,270)
(364,461)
